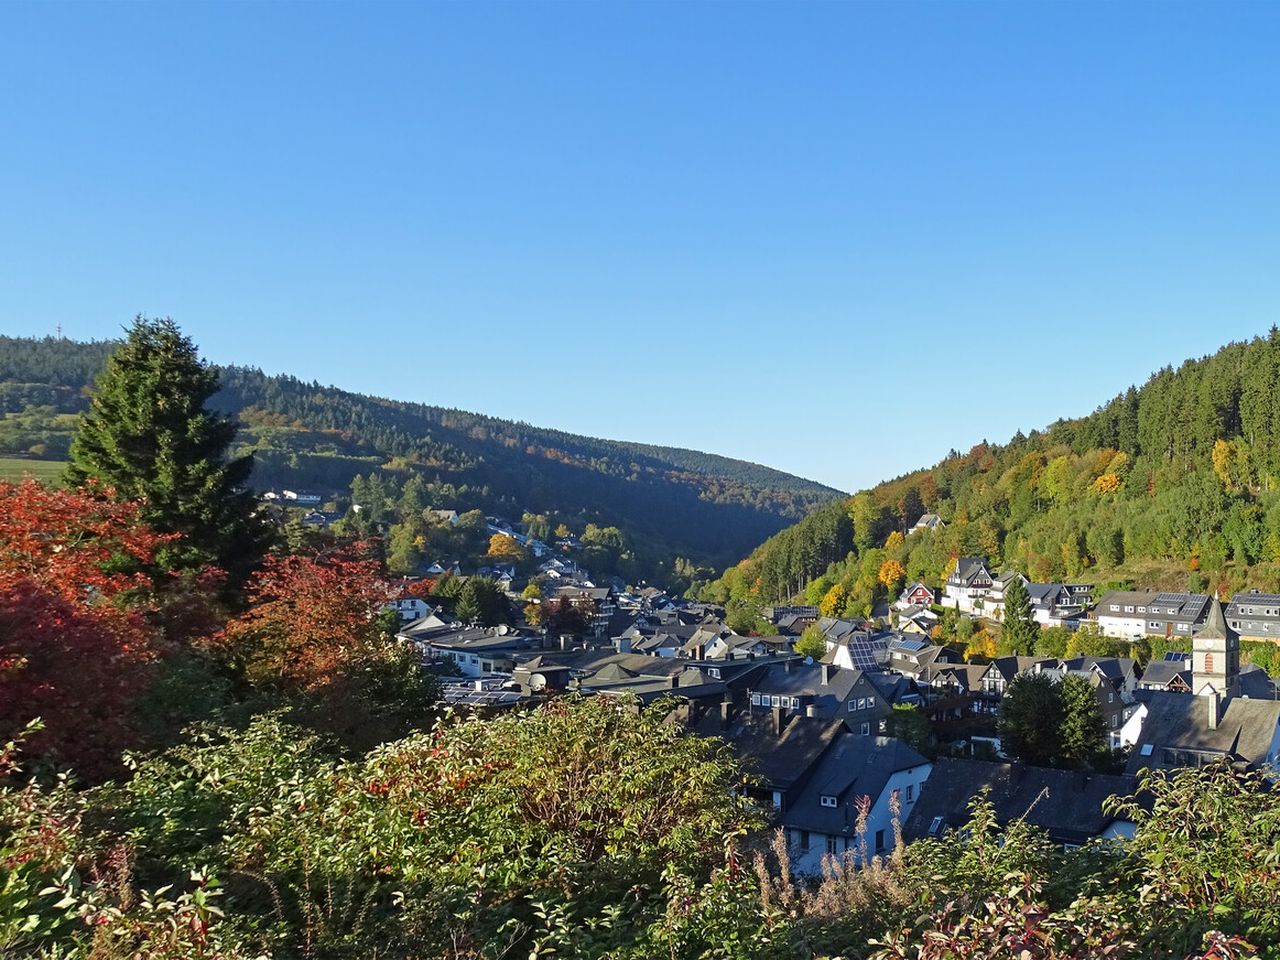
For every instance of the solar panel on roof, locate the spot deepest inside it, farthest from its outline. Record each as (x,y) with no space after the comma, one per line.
(1175,657)
(914,646)
(1178,598)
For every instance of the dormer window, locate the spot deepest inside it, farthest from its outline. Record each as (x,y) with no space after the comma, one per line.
(827,800)
(935,828)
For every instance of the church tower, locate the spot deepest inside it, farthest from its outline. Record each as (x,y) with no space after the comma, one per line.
(1215,655)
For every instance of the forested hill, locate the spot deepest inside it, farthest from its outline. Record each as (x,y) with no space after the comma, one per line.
(670,501)
(1175,484)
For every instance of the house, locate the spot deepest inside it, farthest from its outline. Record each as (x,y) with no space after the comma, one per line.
(916,595)
(320,518)
(881,774)
(779,748)
(1052,604)
(1069,805)
(596,603)
(822,690)
(438,569)
(476,651)
(1255,616)
(928,521)
(917,620)
(1133,614)
(301,497)
(1173,673)
(1214,722)
(410,606)
(967,585)
(446,516)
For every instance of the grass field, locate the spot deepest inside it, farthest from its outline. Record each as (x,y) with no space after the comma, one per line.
(48,471)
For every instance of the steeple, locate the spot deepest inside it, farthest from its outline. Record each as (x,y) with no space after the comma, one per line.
(1215,666)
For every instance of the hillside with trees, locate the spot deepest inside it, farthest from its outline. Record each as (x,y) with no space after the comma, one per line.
(672,502)
(1174,484)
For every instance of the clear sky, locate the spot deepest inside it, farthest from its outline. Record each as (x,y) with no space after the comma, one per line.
(839,239)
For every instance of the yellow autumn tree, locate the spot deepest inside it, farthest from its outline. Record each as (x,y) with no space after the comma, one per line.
(895,540)
(833,602)
(504,546)
(1107,483)
(891,573)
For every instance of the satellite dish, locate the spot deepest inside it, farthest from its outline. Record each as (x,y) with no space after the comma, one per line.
(502,630)
(808,661)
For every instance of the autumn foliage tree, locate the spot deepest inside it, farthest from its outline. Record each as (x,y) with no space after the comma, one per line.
(316,632)
(76,642)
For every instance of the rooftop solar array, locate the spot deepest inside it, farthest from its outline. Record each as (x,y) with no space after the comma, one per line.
(1175,598)
(1262,598)
(1174,656)
(863,652)
(911,644)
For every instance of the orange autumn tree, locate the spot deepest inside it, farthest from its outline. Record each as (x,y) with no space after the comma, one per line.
(76,644)
(317,633)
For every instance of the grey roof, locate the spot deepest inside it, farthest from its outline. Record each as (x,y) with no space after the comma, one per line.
(1067,804)
(854,767)
(780,760)
(1179,722)
(1161,673)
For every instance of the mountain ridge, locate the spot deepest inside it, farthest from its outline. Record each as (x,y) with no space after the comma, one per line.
(674,501)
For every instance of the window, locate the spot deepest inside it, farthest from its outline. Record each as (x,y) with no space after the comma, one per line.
(715,672)
(777,701)
(1142,609)
(853,705)
(866,729)
(1208,663)
(804,839)
(827,800)
(831,845)
(935,828)
(879,840)
(1128,608)
(911,791)
(1146,749)
(1115,608)
(755,699)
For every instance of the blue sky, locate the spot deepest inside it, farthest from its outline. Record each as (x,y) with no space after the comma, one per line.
(839,239)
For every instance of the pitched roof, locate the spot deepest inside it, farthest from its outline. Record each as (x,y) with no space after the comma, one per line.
(1067,804)
(854,767)
(1179,722)
(781,760)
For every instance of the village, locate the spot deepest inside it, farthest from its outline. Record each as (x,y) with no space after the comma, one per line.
(887,735)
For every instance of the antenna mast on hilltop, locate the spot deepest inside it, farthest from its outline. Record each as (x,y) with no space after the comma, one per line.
(59,329)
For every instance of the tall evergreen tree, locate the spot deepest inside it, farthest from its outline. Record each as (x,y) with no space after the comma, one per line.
(1019,630)
(149,435)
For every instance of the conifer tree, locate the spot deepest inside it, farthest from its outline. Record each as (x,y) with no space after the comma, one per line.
(1020,629)
(149,436)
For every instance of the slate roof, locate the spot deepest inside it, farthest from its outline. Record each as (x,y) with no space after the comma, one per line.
(1067,804)
(1180,722)
(854,767)
(781,760)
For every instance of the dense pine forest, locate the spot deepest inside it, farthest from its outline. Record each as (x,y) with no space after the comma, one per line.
(669,501)
(1174,484)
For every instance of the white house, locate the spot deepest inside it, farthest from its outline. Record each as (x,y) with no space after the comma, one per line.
(880,775)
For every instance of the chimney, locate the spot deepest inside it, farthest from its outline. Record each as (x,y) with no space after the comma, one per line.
(624,644)
(675,680)
(828,671)
(479,686)
(779,721)
(1215,709)
(564,641)
(726,713)
(786,665)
